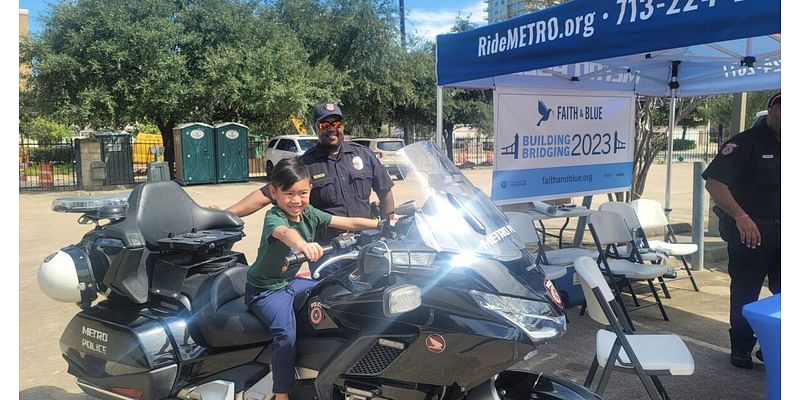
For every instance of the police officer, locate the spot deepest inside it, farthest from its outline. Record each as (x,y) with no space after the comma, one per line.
(744,179)
(343,174)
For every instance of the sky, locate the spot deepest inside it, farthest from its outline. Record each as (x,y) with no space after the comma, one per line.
(424,18)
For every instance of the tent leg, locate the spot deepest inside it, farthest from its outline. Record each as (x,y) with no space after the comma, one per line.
(439,117)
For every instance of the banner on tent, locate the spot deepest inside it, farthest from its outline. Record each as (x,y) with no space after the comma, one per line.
(559,145)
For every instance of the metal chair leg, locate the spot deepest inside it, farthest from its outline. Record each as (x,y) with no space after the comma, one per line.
(660,387)
(592,372)
(689,271)
(633,292)
(664,287)
(658,300)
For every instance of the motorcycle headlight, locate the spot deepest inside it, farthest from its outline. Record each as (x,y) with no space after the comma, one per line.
(537,319)
(401,298)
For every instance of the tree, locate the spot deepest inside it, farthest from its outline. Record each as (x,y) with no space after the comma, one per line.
(364,45)
(652,112)
(105,63)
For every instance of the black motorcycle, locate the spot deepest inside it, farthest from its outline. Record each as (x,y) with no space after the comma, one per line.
(438,307)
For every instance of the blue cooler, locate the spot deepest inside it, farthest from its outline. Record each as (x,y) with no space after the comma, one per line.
(569,288)
(765,319)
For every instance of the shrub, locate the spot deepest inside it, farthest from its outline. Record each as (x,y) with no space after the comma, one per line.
(677,144)
(50,154)
(683,144)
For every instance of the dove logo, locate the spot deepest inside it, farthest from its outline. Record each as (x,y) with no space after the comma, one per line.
(544,112)
(435,343)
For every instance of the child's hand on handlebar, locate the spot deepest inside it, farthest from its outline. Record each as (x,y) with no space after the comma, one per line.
(313,251)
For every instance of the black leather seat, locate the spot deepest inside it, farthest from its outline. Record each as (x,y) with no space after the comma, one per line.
(157,210)
(221,315)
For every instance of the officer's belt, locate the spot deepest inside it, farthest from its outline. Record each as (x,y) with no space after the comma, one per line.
(766,221)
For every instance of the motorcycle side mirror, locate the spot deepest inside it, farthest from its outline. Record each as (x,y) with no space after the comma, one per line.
(407,208)
(375,259)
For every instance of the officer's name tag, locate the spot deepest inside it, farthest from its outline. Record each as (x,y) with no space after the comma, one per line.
(767,156)
(318,176)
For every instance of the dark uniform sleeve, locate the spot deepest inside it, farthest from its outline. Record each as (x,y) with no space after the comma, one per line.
(730,162)
(265,191)
(381,182)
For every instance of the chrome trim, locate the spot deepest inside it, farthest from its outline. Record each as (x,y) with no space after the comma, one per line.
(352,256)
(94,388)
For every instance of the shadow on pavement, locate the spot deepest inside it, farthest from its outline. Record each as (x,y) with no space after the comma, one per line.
(707,339)
(48,393)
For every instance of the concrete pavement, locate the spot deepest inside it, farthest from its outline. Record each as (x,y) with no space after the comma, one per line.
(699,317)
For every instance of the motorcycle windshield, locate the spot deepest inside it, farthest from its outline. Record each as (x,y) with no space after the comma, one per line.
(452,214)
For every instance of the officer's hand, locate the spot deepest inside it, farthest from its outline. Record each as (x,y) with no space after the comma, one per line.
(748,232)
(312,250)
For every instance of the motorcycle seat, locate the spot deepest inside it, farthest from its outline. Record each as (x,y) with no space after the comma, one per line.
(158,210)
(221,315)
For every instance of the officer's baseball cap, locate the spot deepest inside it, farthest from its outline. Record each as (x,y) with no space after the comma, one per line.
(325,110)
(775,99)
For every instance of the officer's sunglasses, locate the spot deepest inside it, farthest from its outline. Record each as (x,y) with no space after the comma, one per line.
(327,124)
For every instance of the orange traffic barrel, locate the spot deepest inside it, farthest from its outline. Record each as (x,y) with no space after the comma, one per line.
(46,175)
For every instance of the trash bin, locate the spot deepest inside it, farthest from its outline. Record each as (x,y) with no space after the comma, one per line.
(115,151)
(231,157)
(194,153)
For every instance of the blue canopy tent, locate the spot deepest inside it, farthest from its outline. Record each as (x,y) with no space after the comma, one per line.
(647,47)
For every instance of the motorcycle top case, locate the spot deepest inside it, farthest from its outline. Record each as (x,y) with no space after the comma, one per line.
(118,347)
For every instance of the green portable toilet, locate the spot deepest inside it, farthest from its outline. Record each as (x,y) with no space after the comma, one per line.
(194,153)
(231,160)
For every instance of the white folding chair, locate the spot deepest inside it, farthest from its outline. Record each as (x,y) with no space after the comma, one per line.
(523,225)
(651,218)
(654,256)
(530,236)
(648,356)
(609,231)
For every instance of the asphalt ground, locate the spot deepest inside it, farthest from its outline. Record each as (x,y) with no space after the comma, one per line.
(700,318)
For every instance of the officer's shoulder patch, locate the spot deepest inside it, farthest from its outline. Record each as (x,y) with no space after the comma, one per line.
(729,148)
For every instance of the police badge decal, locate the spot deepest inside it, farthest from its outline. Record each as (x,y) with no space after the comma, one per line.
(728,149)
(358,163)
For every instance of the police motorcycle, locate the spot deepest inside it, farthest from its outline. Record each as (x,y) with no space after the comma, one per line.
(439,307)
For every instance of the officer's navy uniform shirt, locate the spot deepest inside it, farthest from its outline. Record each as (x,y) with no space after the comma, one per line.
(358,172)
(750,165)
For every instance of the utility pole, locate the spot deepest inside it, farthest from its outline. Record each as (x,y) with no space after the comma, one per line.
(403,23)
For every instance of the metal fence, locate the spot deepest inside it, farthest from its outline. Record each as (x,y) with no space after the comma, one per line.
(47,166)
(700,145)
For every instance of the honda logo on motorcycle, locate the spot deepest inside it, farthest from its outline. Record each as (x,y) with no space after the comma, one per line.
(435,343)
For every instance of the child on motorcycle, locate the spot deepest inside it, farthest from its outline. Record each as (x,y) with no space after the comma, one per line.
(272,286)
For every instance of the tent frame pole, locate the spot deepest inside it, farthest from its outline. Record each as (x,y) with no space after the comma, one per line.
(673,92)
(439,117)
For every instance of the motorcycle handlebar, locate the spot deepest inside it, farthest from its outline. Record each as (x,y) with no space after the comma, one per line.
(300,258)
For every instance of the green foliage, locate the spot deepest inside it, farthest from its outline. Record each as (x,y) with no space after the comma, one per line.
(149,129)
(677,144)
(718,109)
(104,63)
(50,154)
(44,130)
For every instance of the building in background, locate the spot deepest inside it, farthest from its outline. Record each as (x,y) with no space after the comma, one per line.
(24,69)
(500,10)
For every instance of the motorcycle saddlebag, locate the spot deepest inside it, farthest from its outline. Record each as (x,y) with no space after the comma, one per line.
(117,352)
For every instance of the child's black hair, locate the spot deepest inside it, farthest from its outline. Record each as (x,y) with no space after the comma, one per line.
(288,172)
